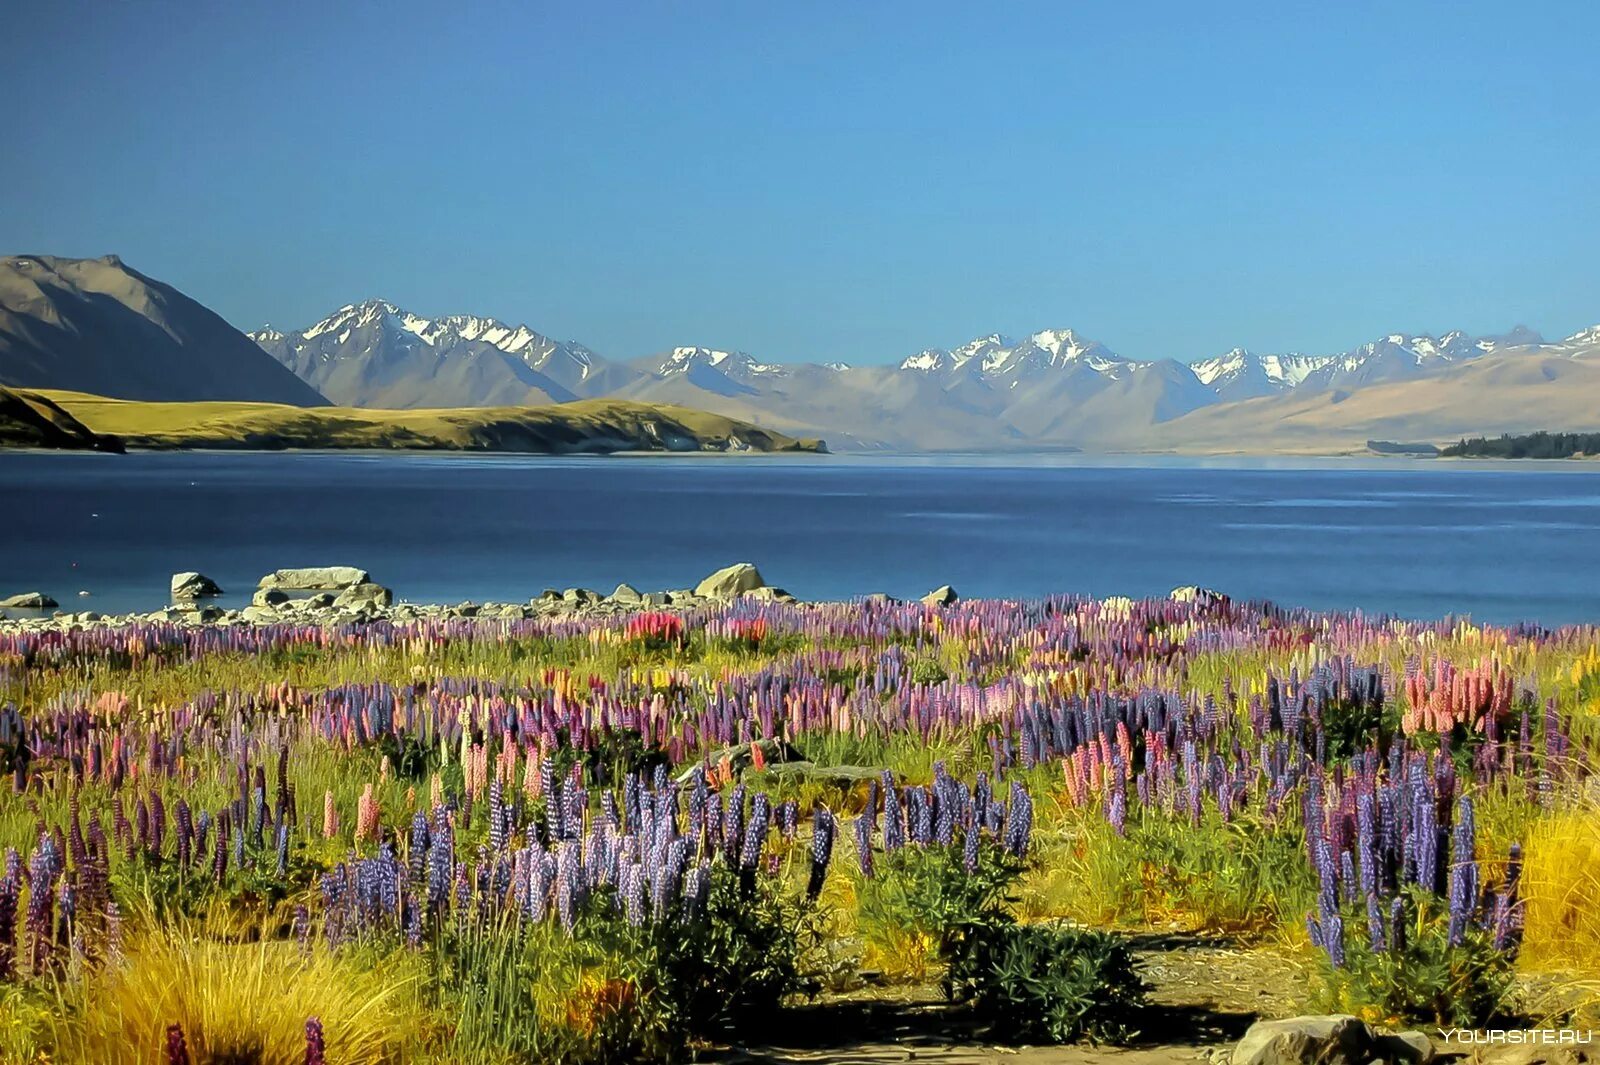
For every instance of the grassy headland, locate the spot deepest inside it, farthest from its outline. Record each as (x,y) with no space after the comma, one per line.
(590,426)
(28,419)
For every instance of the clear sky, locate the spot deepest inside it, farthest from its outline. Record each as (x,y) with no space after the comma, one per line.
(826,181)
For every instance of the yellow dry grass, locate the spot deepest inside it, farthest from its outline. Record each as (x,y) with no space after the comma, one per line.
(586,425)
(237,1002)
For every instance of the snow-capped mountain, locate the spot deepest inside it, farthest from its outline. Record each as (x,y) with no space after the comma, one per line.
(1052,387)
(377,354)
(996,355)
(1241,374)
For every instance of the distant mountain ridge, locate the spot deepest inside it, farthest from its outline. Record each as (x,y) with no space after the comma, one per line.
(1055,387)
(97,325)
(373,354)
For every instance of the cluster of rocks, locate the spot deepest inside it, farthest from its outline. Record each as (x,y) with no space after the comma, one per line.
(342,594)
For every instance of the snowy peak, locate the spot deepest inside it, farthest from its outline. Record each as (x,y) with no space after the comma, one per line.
(996,355)
(463,332)
(1583,338)
(734,363)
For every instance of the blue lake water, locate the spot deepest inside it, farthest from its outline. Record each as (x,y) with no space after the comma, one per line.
(1501,542)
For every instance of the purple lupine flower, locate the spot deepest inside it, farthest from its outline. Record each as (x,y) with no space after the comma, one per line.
(282,848)
(863,829)
(1367,841)
(441,860)
(633,883)
(1117,809)
(314,1047)
(1463,873)
(10,892)
(821,850)
(894,832)
(1019,823)
(696,889)
(567,886)
(969,848)
(497,817)
(417,853)
(755,835)
(177,1046)
(1375,937)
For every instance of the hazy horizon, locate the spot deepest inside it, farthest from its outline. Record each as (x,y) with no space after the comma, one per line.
(853,188)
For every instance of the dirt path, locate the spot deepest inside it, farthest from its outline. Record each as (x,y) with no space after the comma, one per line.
(1205,994)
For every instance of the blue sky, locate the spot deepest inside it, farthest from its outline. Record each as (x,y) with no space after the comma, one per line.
(828,181)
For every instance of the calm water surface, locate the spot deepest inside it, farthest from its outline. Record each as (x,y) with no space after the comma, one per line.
(1500,542)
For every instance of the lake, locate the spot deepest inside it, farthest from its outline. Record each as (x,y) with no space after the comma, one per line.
(1501,542)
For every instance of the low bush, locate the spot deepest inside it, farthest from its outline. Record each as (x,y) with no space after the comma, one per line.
(1415,973)
(1050,984)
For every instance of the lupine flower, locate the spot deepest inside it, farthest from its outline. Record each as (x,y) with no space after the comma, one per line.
(1463,873)
(863,830)
(177,1046)
(821,850)
(314,1048)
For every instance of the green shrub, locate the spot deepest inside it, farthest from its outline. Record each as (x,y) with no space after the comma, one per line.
(1421,978)
(614,992)
(926,895)
(1050,984)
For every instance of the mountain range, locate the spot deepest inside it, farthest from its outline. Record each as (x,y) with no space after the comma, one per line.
(1053,388)
(97,325)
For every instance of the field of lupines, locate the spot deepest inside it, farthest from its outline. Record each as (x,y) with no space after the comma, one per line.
(585,840)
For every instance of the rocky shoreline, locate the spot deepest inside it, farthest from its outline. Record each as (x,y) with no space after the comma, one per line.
(340,595)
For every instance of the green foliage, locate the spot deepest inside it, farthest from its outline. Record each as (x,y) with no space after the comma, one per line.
(1241,876)
(1029,983)
(928,671)
(927,893)
(614,992)
(1425,979)
(1050,984)
(1540,445)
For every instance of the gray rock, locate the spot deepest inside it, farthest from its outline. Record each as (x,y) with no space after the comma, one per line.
(653,599)
(1332,1040)
(315,578)
(880,598)
(260,615)
(30,601)
(730,582)
(580,596)
(841,776)
(626,593)
(769,594)
(269,597)
(364,596)
(192,585)
(944,595)
(1193,593)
